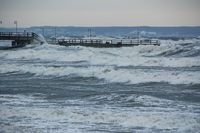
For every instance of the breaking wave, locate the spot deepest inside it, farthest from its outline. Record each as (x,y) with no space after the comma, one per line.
(78,118)
(184,50)
(82,89)
(175,62)
(111,74)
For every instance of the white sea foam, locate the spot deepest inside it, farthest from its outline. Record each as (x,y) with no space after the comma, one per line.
(132,56)
(131,76)
(83,119)
(35,114)
(101,63)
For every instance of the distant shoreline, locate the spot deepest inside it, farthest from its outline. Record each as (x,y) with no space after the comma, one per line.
(47,26)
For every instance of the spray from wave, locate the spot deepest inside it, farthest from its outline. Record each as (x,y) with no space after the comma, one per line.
(40,38)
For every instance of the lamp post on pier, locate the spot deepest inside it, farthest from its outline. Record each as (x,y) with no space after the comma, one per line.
(55,34)
(90,33)
(15,22)
(1,22)
(43,31)
(138,34)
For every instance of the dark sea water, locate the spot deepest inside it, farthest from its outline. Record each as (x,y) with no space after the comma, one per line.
(48,88)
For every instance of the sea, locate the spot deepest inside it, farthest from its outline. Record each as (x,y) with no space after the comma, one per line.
(56,89)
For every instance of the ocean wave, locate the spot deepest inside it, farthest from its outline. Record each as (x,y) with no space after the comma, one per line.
(183,50)
(110,74)
(81,119)
(112,65)
(133,56)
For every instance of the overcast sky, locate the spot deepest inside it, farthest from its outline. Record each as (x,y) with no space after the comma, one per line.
(100,12)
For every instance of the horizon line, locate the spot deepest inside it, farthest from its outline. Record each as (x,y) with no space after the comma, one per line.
(98,26)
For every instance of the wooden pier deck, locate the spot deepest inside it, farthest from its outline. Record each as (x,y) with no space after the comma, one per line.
(107,43)
(19,39)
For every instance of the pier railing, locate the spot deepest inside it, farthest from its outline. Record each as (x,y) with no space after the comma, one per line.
(111,42)
(18,39)
(17,35)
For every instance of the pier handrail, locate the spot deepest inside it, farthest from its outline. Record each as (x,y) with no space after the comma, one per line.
(14,34)
(17,35)
(114,41)
(20,37)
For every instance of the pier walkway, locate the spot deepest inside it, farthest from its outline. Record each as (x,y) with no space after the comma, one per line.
(107,43)
(19,39)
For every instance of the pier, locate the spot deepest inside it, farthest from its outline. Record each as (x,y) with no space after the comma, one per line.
(19,39)
(107,43)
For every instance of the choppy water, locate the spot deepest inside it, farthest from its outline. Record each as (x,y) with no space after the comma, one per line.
(47,88)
